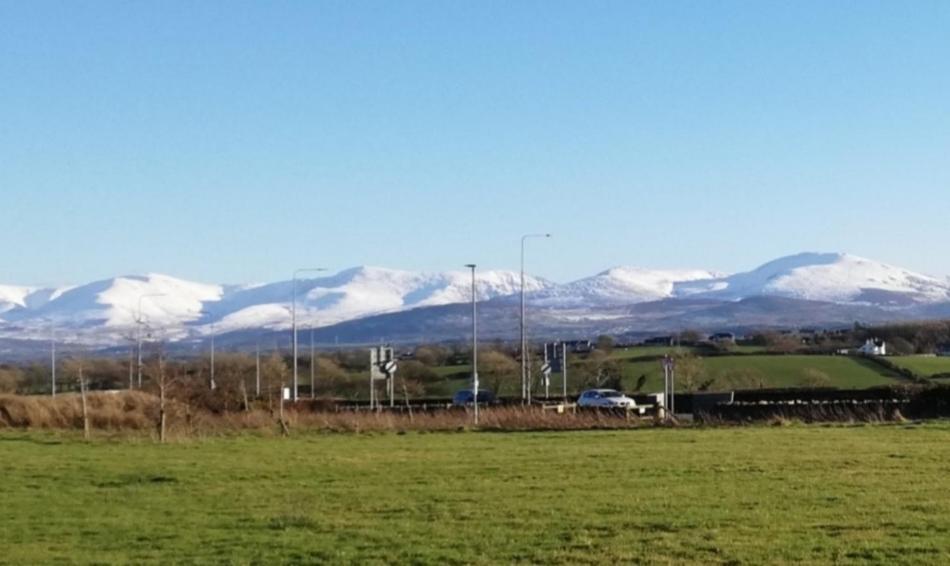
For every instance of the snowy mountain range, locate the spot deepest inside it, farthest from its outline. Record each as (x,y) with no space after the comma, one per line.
(183,308)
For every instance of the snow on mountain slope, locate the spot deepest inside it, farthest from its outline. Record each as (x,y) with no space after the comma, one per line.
(178,307)
(831,277)
(115,302)
(621,285)
(360,292)
(12,297)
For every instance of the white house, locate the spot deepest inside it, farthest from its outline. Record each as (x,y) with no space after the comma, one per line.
(874,347)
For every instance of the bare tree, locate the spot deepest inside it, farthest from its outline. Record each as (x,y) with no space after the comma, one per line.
(689,370)
(275,372)
(498,370)
(77,365)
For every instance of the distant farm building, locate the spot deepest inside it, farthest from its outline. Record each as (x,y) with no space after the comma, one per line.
(874,347)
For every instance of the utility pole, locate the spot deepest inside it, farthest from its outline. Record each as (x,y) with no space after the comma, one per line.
(669,385)
(545,371)
(525,368)
(293,315)
(474,341)
(564,368)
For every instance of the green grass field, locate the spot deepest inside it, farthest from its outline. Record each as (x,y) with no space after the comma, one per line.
(746,372)
(751,370)
(648,351)
(924,366)
(748,495)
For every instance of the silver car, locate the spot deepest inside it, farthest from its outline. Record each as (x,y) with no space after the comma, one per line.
(605,398)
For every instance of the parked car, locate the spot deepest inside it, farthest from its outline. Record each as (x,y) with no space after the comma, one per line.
(605,398)
(465,397)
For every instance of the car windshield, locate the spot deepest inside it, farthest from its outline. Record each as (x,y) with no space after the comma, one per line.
(611,394)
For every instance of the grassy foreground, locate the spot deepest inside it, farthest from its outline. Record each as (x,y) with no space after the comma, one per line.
(726,495)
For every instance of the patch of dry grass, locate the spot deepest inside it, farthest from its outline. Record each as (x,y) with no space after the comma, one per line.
(134,411)
(107,411)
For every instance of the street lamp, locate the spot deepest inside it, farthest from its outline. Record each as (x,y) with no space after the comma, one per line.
(474,341)
(138,339)
(293,315)
(525,387)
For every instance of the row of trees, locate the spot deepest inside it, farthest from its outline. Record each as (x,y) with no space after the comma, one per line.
(342,373)
(338,374)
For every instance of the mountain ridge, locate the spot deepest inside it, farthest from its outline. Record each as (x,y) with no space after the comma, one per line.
(198,309)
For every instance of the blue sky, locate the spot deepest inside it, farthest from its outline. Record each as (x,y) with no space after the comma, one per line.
(234,141)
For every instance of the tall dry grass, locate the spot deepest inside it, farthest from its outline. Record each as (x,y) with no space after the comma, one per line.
(138,412)
(107,411)
(493,419)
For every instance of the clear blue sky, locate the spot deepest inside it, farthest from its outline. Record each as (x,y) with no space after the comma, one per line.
(233,141)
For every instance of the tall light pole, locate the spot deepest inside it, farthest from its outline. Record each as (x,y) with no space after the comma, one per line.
(525,386)
(138,338)
(474,341)
(293,315)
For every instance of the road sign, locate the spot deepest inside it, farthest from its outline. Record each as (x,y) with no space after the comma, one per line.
(382,367)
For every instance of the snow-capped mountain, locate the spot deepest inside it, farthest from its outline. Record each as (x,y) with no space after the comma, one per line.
(12,297)
(175,305)
(180,308)
(621,285)
(829,277)
(359,292)
(113,304)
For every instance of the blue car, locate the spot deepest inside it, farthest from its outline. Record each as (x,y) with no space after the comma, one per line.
(465,397)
